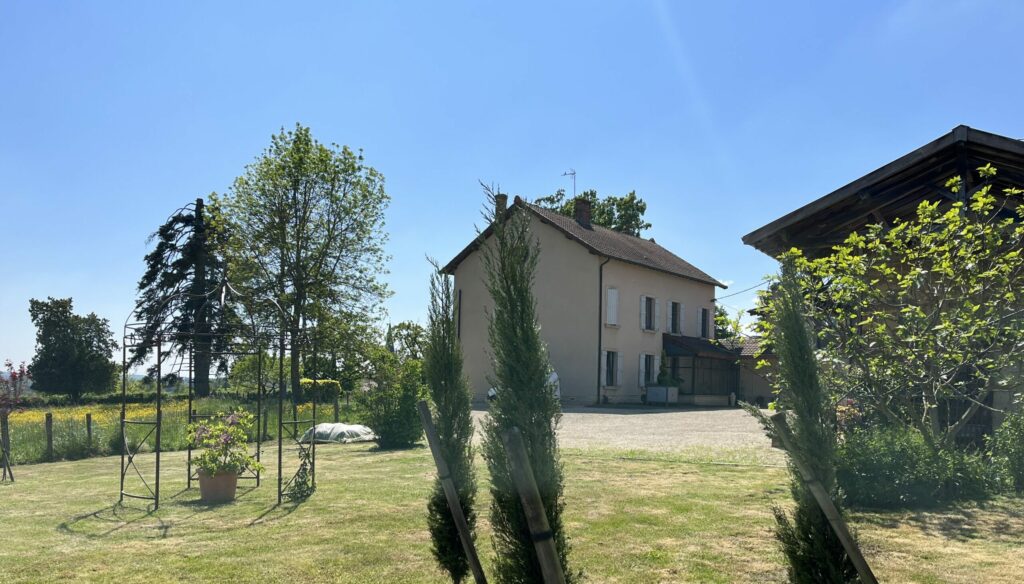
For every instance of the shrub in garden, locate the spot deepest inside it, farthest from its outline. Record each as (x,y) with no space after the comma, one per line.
(223,439)
(1008,449)
(442,364)
(320,390)
(887,467)
(814,552)
(524,400)
(390,408)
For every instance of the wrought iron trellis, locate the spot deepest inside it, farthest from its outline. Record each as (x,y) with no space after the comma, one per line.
(254,339)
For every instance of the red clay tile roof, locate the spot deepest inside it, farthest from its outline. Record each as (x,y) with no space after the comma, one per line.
(605,242)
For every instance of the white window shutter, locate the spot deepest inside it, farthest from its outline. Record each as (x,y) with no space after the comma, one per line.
(604,368)
(657,367)
(643,311)
(657,314)
(618,369)
(668,316)
(613,306)
(642,371)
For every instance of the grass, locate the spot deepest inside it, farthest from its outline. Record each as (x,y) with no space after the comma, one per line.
(632,517)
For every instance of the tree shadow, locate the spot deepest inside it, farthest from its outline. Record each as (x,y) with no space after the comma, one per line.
(109,520)
(1001,519)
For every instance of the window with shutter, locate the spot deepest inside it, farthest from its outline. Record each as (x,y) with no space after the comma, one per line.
(618,369)
(612,317)
(641,378)
(648,313)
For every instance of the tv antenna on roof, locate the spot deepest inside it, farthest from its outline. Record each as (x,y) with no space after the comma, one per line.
(572,172)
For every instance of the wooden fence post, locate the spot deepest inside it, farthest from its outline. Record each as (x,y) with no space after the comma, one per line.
(49,436)
(88,430)
(828,507)
(337,408)
(533,507)
(5,448)
(450,493)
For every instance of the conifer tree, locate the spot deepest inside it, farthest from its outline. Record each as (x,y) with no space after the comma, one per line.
(814,552)
(176,291)
(524,400)
(442,364)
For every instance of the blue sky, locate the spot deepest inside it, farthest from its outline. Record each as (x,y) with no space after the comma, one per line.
(721,115)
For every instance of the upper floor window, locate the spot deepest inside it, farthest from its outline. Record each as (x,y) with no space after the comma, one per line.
(705,323)
(648,313)
(612,317)
(675,318)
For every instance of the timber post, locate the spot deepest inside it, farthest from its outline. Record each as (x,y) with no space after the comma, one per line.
(828,507)
(450,493)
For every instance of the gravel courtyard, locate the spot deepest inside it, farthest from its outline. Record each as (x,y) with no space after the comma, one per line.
(656,428)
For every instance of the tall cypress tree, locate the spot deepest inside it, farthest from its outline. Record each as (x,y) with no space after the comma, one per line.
(815,553)
(442,367)
(175,292)
(524,400)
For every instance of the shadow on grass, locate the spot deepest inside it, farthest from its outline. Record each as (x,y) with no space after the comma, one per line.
(108,520)
(1001,518)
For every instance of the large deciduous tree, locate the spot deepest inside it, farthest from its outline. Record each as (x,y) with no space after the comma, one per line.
(177,291)
(624,214)
(524,399)
(73,352)
(923,315)
(306,226)
(442,368)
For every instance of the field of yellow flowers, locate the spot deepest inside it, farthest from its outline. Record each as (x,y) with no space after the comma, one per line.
(71,439)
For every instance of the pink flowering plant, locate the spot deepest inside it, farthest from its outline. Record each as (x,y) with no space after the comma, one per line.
(13,386)
(224,439)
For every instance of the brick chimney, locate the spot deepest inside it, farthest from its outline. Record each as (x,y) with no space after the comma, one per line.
(581,209)
(500,204)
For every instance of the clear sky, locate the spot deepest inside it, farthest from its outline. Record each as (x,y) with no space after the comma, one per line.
(721,115)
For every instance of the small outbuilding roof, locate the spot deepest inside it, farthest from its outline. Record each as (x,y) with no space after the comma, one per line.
(603,242)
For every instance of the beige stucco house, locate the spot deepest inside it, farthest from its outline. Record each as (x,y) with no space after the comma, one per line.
(610,306)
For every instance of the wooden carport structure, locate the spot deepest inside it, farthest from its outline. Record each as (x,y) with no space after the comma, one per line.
(893,191)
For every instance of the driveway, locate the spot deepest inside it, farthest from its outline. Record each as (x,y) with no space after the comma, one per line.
(656,428)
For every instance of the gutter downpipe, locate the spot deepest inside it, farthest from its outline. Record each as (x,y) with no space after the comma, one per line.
(600,323)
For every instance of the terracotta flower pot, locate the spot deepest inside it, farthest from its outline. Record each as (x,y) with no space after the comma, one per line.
(219,488)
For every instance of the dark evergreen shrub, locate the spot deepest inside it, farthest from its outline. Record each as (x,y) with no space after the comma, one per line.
(524,400)
(442,364)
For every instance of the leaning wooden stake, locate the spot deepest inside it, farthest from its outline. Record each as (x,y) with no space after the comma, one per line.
(451,493)
(828,507)
(533,506)
(5,449)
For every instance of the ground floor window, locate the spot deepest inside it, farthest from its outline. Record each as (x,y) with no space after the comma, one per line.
(611,368)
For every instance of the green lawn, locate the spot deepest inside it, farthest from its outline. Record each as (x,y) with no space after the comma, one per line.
(632,517)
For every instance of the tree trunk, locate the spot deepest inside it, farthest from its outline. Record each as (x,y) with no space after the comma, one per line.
(201,322)
(296,355)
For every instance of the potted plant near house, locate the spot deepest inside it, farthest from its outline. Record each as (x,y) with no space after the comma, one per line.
(225,456)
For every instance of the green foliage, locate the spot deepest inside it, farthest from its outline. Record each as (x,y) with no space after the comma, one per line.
(72,351)
(664,374)
(808,541)
(302,486)
(224,439)
(320,390)
(524,400)
(726,327)
(177,290)
(924,312)
(391,406)
(449,392)
(306,227)
(245,370)
(893,467)
(623,214)
(406,340)
(1008,449)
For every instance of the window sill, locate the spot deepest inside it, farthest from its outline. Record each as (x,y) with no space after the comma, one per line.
(610,325)
(611,387)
